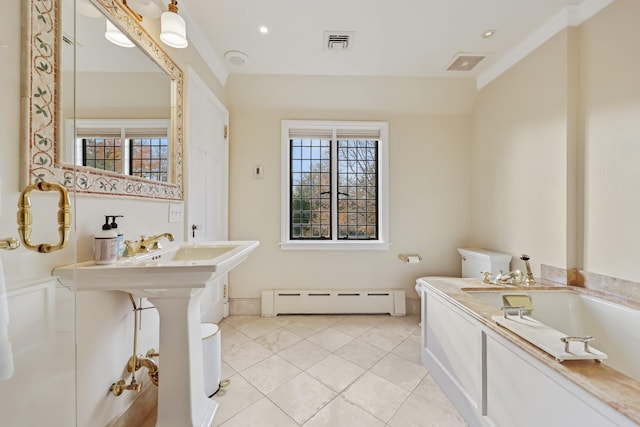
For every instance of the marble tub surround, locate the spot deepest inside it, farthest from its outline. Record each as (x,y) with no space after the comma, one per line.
(606,384)
(613,286)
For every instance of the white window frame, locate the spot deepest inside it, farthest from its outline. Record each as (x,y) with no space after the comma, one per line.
(382,243)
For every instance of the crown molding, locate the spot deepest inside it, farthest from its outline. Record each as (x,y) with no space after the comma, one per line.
(570,16)
(203,47)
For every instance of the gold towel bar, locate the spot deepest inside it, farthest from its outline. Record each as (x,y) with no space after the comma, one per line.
(25,218)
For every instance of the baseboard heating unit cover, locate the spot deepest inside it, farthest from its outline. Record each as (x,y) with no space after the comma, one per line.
(343,301)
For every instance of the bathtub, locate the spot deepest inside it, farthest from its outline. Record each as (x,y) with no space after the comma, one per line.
(495,378)
(615,327)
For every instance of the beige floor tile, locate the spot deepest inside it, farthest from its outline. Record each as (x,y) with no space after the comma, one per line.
(409,349)
(399,371)
(335,372)
(342,413)
(227,371)
(403,326)
(305,326)
(421,413)
(235,397)
(278,339)
(304,354)
(257,328)
(330,339)
(239,320)
(429,390)
(283,320)
(301,397)
(245,355)
(270,373)
(396,390)
(231,338)
(361,353)
(383,338)
(376,395)
(263,413)
(354,327)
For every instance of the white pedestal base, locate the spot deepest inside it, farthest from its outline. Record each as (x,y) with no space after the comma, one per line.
(181,398)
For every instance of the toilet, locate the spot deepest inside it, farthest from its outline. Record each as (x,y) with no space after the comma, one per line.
(475,261)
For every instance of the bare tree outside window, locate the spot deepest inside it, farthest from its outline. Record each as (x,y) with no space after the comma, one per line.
(311,189)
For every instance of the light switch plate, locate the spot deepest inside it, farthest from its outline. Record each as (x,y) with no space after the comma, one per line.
(176,212)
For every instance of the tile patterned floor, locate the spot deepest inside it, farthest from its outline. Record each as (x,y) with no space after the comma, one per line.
(338,371)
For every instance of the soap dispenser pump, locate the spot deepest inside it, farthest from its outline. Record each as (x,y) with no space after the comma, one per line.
(119,234)
(105,244)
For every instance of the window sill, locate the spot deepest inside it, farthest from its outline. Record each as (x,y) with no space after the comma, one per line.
(335,246)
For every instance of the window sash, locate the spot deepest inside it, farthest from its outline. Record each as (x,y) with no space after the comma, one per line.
(376,134)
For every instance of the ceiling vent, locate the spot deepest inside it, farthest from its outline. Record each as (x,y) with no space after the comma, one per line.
(465,62)
(338,40)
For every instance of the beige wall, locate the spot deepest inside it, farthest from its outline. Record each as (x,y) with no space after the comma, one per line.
(610,133)
(555,150)
(429,176)
(519,159)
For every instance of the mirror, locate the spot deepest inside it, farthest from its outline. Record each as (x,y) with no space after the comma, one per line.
(129,89)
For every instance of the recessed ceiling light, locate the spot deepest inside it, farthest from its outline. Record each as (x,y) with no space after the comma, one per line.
(263,29)
(488,34)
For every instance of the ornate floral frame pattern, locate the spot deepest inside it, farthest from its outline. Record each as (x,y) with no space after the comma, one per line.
(40,95)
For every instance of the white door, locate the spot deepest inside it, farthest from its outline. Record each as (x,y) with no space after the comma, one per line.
(207,199)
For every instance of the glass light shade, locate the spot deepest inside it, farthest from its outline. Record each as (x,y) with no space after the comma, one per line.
(173,30)
(115,36)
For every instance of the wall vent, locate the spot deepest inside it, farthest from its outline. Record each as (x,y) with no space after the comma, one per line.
(465,62)
(338,40)
(342,301)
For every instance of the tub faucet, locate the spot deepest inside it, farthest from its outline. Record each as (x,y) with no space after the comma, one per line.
(530,280)
(151,243)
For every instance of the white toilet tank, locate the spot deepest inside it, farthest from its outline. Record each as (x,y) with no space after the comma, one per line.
(475,261)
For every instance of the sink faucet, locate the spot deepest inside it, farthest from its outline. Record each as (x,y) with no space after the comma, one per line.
(152,243)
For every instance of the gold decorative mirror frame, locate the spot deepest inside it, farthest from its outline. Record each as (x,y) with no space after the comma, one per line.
(40,103)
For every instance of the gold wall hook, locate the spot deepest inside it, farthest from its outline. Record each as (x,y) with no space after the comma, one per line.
(25,218)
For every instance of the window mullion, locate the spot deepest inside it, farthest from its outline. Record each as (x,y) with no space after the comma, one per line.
(334,187)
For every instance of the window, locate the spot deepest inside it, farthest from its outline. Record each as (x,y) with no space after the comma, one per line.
(131,147)
(334,185)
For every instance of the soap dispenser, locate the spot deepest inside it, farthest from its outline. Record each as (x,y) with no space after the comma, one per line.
(105,244)
(119,234)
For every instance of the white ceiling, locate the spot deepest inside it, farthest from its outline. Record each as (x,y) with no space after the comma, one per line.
(392,37)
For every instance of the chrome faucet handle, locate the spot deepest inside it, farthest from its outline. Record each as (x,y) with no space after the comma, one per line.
(507,310)
(585,340)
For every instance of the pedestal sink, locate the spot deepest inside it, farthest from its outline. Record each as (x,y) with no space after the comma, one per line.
(172,279)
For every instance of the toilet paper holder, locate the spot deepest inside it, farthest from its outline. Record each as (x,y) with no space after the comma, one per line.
(410,258)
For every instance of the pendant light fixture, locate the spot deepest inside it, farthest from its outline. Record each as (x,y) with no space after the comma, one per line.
(173,30)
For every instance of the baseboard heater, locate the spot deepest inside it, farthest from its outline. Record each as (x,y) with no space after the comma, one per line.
(343,301)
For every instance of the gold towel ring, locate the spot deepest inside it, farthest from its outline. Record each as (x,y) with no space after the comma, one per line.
(25,218)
